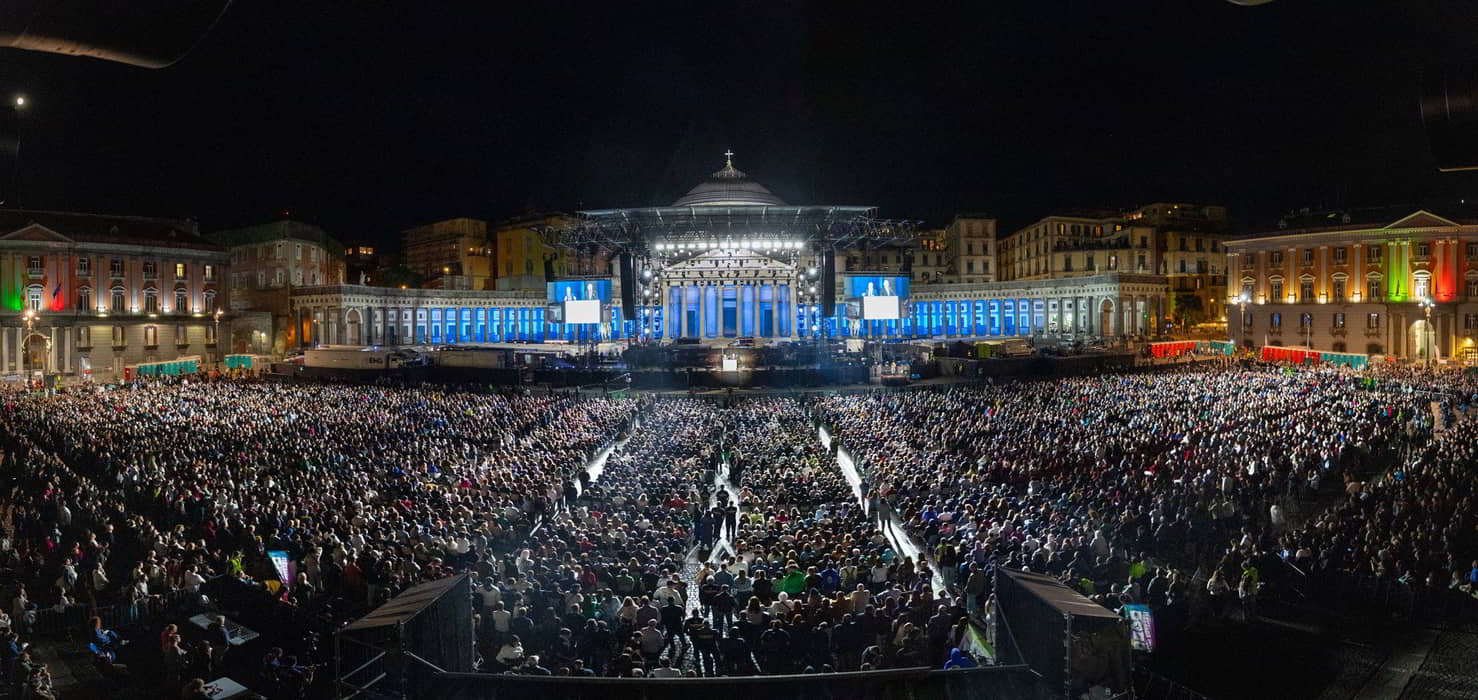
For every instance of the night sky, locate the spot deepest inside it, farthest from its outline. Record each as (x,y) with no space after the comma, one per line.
(369,117)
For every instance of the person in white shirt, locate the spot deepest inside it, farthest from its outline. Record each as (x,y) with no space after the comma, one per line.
(192,580)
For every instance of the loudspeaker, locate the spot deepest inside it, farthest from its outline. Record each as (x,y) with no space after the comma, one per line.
(628,285)
(828,282)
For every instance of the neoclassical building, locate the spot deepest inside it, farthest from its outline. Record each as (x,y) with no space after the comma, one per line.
(1404,287)
(731,260)
(106,292)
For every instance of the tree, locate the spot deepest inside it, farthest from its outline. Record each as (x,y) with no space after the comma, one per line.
(1189,310)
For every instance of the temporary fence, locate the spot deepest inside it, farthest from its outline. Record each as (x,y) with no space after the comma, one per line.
(1273,353)
(173,368)
(1173,348)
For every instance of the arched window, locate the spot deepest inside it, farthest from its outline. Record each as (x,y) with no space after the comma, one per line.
(33,297)
(181,301)
(210,301)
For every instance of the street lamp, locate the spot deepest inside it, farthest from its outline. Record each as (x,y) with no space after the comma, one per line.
(219,354)
(30,318)
(1427,304)
(1241,316)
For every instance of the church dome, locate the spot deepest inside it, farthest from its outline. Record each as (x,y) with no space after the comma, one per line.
(729,188)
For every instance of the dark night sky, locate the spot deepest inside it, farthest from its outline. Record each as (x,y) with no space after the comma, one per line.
(367,117)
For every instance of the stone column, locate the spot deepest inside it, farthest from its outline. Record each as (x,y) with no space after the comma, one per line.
(792,311)
(702,309)
(774,311)
(4,350)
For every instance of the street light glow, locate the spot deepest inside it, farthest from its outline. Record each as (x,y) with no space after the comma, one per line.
(20,100)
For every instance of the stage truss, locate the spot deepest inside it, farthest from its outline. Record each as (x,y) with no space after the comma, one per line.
(654,230)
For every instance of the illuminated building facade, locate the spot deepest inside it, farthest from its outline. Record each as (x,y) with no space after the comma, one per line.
(450,254)
(106,292)
(1335,285)
(269,260)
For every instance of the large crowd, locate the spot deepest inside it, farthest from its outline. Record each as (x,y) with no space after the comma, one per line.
(1152,488)
(663,537)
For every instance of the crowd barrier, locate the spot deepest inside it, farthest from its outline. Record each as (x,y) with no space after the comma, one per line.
(1273,353)
(985,683)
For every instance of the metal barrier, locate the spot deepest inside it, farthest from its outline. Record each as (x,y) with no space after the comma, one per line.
(986,683)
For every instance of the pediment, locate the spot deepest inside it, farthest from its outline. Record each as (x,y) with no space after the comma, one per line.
(35,232)
(1422,219)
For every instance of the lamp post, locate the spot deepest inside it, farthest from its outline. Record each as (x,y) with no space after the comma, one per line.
(1241,317)
(1427,304)
(30,318)
(220,355)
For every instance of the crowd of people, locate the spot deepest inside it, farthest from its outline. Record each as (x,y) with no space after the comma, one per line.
(716,538)
(1151,487)
(134,497)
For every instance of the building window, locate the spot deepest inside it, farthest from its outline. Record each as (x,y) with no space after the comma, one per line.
(1276,288)
(208,273)
(261,278)
(1276,257)
(1372,290)
(312,255)
(179,271)
(1247,319)
(1470,322)
(151,336)
(210,301)
(1339,255)
(117,302)
(115,267)
(1423,250)
(1374,254)
(150,270)
(181,301)
(84,337)
(34,266)
(1305,320)
(1339,320)
(277,282)
(1141,267)
(297,277)
(277,252)
(84,299)
(528,267)
(33,297)
(970,267)
(120,337)
(210,334)
(1275,321)
(151,301)
(1247,290)
(1308,256)
(1420,287)
(1306,291)
(1200,245)
(1067,263)
(1473,250)
(84,267)
(1372,321)
(1339,290)
(298,252)
(1472,286)
(181,335)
